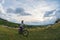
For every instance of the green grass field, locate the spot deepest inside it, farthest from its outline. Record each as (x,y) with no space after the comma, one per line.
(44,33)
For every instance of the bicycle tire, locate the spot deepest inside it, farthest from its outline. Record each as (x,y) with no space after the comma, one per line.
(25,33)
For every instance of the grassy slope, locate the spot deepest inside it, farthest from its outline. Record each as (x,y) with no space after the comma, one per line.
(47,33)
(7,23)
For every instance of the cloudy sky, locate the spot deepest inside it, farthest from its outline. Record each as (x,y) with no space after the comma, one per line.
(33,12)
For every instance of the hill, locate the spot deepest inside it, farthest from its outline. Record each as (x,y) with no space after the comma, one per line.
(46,33)
(7,23)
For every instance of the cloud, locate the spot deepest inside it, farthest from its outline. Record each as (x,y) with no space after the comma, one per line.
(1,1)
(49,13)
(53,13)
(57,13)
(10,10)
(19,11)
(44,21)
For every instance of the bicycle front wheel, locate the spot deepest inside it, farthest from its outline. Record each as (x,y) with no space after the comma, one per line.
(25,33)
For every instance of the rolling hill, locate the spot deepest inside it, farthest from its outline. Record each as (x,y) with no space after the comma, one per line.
(35,33)
(47,33)
(7,23)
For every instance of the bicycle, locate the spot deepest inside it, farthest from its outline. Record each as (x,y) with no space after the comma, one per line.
(24,32)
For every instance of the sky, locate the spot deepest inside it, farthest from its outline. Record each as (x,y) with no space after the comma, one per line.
(33,12)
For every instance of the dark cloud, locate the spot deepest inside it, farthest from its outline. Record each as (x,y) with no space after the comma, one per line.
(20,11)
(0,1)
(10,10)
(48,13)
(24,14)
(57,14)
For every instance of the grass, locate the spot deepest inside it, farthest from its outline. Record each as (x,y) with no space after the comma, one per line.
(44,33)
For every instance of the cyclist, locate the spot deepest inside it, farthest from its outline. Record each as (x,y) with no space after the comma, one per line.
(21,27)
(22,30)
